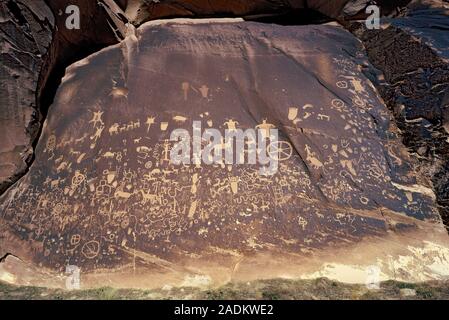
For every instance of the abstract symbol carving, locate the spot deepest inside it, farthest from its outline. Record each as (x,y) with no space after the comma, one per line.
(78,178)
(75,239)
(90,249)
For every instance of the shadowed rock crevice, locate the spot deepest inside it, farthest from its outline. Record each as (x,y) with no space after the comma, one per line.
(25,36)
(36,49)
(5,256)
(271,11)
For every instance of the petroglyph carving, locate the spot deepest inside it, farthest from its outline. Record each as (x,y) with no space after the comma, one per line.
(91,249)
(312,159)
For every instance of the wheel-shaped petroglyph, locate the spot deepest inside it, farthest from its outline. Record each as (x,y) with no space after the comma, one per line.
(280,150)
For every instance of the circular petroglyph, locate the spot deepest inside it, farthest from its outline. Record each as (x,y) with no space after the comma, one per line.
(280,150)
(90,249)
(342,84)
(78,178)
(75,239)
(338,104)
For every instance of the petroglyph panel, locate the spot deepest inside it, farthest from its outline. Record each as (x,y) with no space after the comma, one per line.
(103,186)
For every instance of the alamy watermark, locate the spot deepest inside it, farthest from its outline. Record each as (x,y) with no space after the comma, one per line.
(73,21)
(236,146)
(373,277)
(373,20)
(72,282)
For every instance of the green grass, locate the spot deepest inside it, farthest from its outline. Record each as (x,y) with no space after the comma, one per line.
(274,289)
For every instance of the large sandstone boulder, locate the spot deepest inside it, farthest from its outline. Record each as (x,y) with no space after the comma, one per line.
(104,195)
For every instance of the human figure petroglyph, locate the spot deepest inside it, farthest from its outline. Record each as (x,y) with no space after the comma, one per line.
(265,128)
(357,84)
(166,152)
(194,187)
(302,222)
(97,134)
(96,119)
(150,121)
(231,124)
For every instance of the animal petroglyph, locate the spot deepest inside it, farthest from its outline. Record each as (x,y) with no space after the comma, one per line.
(312,159)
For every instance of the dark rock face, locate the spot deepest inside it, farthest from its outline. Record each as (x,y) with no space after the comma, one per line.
(413,55)
(34,58)
(139,11)
(103,193)
(25,36)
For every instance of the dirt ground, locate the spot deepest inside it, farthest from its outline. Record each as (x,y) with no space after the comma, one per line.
(276,289)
